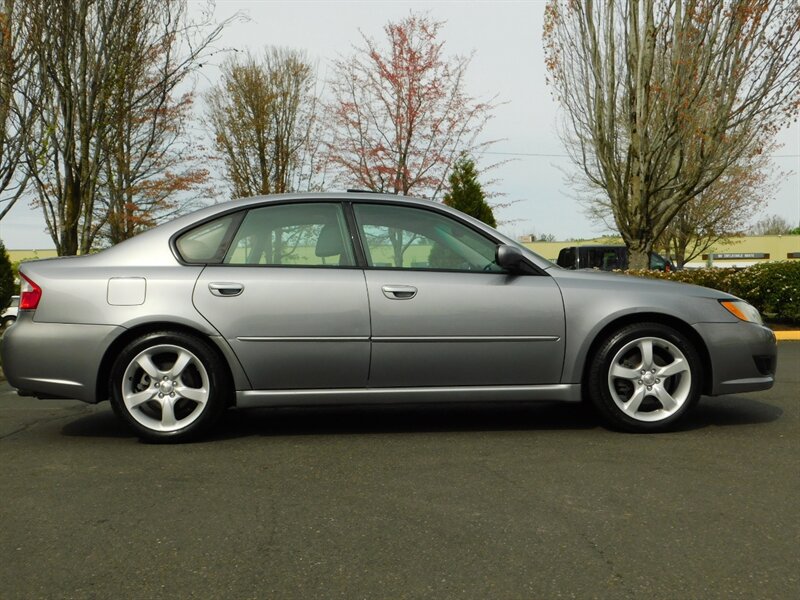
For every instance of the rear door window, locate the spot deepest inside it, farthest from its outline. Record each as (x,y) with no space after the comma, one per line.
(309,234)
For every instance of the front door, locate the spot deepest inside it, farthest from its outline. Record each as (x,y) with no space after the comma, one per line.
(444,314)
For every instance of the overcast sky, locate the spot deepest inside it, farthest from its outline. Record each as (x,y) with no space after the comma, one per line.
(508,62)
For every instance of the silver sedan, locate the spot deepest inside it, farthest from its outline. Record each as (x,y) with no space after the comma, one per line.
(365,298)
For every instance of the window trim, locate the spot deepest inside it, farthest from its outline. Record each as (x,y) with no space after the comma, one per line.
(347,205)
(236,223)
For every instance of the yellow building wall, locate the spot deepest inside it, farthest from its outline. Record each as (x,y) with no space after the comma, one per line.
(20,255)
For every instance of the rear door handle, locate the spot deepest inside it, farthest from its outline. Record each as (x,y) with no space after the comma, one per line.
(225,288)
(399,292)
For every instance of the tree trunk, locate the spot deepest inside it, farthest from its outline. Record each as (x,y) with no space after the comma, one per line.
(638,258)
(396,237)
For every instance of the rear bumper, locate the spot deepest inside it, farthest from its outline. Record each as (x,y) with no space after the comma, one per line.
(743,356)
(55,360)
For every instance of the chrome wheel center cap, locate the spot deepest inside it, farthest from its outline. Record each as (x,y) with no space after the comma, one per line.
(166,387)
(648,378)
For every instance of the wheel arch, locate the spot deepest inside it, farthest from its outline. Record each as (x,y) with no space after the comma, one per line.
(650,317)
(102,389)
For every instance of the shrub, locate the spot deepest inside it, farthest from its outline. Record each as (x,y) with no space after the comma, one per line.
(773,288)
(6,278)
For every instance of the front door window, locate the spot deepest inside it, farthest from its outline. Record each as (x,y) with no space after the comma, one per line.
(397,237)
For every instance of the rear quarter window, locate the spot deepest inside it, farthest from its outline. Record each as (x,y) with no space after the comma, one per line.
(207,242)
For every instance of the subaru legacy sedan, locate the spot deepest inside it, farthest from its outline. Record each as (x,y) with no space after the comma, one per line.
(360,299)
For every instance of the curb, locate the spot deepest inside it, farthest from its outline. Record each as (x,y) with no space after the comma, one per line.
(783,336)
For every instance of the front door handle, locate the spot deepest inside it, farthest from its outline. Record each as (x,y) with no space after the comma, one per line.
(225,288)
(399,292)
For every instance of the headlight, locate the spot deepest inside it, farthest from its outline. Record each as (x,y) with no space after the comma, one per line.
(742,310)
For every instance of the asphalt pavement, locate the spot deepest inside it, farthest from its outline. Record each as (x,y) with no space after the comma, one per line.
(515,501)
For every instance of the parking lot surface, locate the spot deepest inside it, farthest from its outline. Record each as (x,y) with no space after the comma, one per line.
(519,501)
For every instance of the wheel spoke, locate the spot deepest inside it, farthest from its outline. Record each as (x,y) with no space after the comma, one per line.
(137,399)
(667,401)
(149,367)
(617,370)
(167,412)
(183,360)
(198,395)
(676,366)
(646,348)
(635,401)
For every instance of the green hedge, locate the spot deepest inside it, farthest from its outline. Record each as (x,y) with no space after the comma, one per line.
(773,288)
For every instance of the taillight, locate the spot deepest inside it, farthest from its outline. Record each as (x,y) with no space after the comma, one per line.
(29,294)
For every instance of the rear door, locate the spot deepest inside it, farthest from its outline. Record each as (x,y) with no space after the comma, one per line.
(289,298)
(443,314)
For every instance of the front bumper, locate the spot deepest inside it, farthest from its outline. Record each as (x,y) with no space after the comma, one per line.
(743,356)
(55,360)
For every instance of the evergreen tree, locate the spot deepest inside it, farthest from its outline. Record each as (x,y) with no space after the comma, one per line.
(466,193)
(467,196)
(6,277)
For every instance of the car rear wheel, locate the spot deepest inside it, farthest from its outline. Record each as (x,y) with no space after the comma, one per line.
(644,377)
(169,386)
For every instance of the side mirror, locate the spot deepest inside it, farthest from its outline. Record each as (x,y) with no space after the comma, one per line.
(509,258)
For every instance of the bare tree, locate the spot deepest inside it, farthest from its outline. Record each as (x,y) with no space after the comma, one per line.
(772,225)
(722,210)
(17,99)
(264,116)
(152,168)
(86,51)
(401,114)
(719,213)
(663,97)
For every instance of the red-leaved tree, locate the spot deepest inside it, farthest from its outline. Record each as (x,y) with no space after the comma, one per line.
(400,113)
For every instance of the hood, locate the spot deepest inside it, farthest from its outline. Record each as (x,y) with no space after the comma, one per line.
(620,282)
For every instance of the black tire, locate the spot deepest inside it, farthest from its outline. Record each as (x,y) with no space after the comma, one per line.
(642,396)
(179,393)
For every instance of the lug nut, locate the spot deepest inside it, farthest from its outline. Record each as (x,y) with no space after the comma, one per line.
(640,381)
(658,381)
(161,395)
(649,387)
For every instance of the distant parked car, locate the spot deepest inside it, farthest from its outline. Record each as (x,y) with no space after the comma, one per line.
(361,299)
(605,258)
(9,315)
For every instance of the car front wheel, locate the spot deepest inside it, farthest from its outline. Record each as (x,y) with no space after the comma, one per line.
(169,386)
(644,377)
